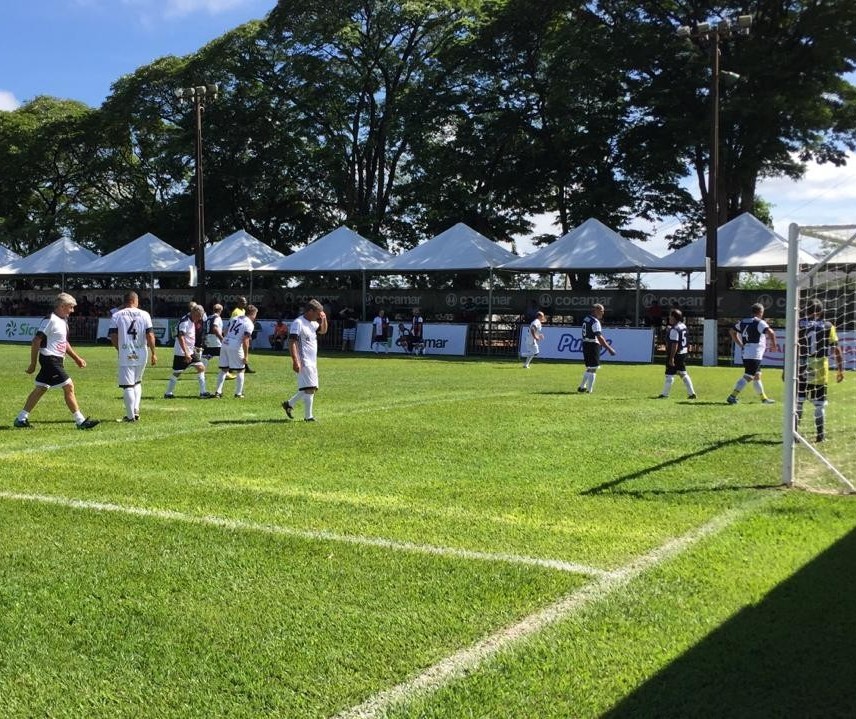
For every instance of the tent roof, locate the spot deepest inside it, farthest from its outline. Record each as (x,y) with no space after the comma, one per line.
(458,248)
(146,254)
(341,250)
(61,257)
(7,256)
(240,252)
(591,246)
(744,243)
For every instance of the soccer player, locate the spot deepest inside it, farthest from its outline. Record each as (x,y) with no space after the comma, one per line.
(532,338)
(593,341)
(49,347)
(213,333)
(816,339)
(676,355)
(239,310)
(752,335)
(233,354)
(417,326)
(303,346)
(380,330)
(132,335)
(184,356)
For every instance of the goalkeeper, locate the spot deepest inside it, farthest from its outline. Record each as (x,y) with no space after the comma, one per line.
(816,338)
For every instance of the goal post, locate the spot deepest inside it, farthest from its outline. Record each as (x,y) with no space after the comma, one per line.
(819,411)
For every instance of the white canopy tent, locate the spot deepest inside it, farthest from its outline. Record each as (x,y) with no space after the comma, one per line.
(742,244)
(240,252)
(147,255)
(7,256)
(62,257)
(458,249)
(341,250)
(589,247)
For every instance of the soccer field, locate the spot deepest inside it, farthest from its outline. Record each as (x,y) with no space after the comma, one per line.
(451,538)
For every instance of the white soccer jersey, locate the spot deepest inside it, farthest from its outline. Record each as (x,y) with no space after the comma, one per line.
(131,325)
(188,329)
(239,327)
(531,345)
(214,321)
(55,330)
(307,340)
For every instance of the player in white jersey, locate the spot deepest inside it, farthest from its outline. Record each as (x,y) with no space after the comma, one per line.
(213,333)
(235,349)
(184,355)
(132,335)
(533,336)
(752,335)
(48,348)
(303,346)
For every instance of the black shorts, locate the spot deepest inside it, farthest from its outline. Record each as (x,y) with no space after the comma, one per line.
(679,366)
(751,367)
(51,372)
(591,354)
(180,363)
(810,392)
(210,352)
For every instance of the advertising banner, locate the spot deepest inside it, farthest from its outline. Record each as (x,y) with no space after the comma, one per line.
(846,341)
(440,339)
(565,343)
(19,329)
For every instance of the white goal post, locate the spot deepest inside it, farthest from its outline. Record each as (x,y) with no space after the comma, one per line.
(811,352)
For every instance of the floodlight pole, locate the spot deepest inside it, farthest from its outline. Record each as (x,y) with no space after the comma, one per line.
(198,95)
(711,34)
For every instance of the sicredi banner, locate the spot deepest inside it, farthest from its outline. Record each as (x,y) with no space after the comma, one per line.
(846,341)
(19,329)
(566,343)
(440,339)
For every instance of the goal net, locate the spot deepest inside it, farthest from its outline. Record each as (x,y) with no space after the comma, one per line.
(819,422)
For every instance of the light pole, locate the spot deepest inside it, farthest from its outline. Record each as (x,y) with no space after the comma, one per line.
(198,95)
(711,34)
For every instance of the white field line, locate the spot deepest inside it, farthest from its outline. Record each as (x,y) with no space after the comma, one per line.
(308,534)
(470,658)
(92,438)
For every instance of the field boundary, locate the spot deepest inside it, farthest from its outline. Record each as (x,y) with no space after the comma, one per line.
(468,659)
(308,534)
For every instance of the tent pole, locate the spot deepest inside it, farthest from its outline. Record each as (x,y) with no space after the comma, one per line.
(363,300)
(638,297)
(490,313)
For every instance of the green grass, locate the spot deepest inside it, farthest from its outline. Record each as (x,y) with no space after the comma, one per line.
(114,614)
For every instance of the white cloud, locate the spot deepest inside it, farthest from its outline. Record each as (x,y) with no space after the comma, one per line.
(8,101)
(182,8)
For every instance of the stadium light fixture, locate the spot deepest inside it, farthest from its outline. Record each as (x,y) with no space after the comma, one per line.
(198,95)
(711,33)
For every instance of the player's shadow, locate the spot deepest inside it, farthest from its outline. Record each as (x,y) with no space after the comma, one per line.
(790,655)
(269,420)
(612,484)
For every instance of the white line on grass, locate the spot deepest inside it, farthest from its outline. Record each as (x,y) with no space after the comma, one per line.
(237,524)
(466,660)
(92,438)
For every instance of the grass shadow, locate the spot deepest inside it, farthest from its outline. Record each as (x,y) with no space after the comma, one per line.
(715,447)
(791,655)
(269,420)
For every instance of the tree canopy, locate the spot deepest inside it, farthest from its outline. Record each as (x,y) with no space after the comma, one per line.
(402,118)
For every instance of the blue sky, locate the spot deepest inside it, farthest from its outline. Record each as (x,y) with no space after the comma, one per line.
(78,48)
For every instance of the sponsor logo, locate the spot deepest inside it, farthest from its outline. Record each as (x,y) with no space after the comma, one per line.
(415,300)
(573,344)
(765,300)
(437,344)
(545,300)
(649,300)
(451,300)
(11,328)
(17,331)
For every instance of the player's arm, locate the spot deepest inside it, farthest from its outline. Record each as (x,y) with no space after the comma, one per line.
(182,342)
(113,336)
(150,342)
(322,319)
(35,346)
(735,336)
(292,350)
(771,336)
(78,360)
(603,343)
(839,363)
